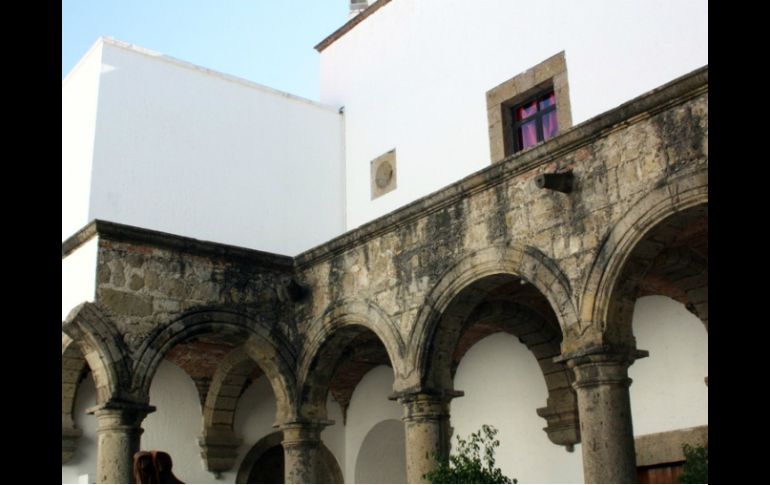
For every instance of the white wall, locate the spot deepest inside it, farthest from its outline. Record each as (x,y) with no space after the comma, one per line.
(503,387)
(78,276)
(334,436)
(369,405)
(413,76)
(185,150)
(382,457)
(176,425)
(668,390)
(80,91)
(84,460)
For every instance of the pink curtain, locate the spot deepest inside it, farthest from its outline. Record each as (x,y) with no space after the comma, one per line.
(528,134)
(526,111)
(550,125)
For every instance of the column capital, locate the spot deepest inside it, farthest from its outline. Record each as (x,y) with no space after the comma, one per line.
(425,394)
(300,432)
(113,406)
(426,404)
(601,353)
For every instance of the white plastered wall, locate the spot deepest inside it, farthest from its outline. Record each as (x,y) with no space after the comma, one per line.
(503,387)
(80,92)
(369,405)
(78,276)
(176,424)
(413,76)
(668,390)
(182,149)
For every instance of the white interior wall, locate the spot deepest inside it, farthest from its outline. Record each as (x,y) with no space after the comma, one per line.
(78,276)
(369,405)
(80,90)
(334,436)
(413,76)
(176,424)
(503,387)
(382,457)
(84,460)
(668,391)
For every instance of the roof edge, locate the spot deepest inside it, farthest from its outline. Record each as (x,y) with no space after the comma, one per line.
(125,233)
(350,24)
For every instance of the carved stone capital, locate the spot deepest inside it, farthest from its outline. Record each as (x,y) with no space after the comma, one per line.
(426,404)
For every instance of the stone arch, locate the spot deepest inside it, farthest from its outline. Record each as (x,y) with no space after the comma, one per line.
(687,274)
(103,349)
(73,369)
(525,262)
(219,444)
(329,468)
(261,341)
(326,339)
(603,305)
(465,297)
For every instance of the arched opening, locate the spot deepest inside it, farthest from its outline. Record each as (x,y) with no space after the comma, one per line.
(661,300)
(382,456)
(198,367)
(175,424)
(345,356)
(496,341)
(78,428)
(264,463)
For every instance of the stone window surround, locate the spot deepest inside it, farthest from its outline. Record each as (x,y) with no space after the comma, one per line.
(549,74)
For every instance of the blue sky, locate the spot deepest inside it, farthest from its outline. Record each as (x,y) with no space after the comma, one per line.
(266,41)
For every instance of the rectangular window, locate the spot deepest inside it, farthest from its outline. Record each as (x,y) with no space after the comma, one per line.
(534,121)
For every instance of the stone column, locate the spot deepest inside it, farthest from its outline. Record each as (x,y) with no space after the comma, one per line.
(118,433)
(301,443)
(604,405)
(426,426)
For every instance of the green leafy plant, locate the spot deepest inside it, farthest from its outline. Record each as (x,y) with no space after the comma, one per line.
(467,464)
(696,465)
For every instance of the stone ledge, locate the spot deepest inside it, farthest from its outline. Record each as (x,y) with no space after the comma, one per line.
(114,231)
(666,447)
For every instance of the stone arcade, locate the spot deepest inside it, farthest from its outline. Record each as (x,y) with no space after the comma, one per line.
(414,290)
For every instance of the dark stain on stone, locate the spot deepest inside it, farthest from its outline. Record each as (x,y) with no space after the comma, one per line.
(497,226)
(681,137)
(434,250)
(334,279)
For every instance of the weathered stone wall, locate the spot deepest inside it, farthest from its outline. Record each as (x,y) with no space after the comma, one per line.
(142,286)
(657,143)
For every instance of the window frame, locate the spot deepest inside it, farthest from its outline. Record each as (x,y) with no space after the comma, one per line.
(549,75)
(537,117)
